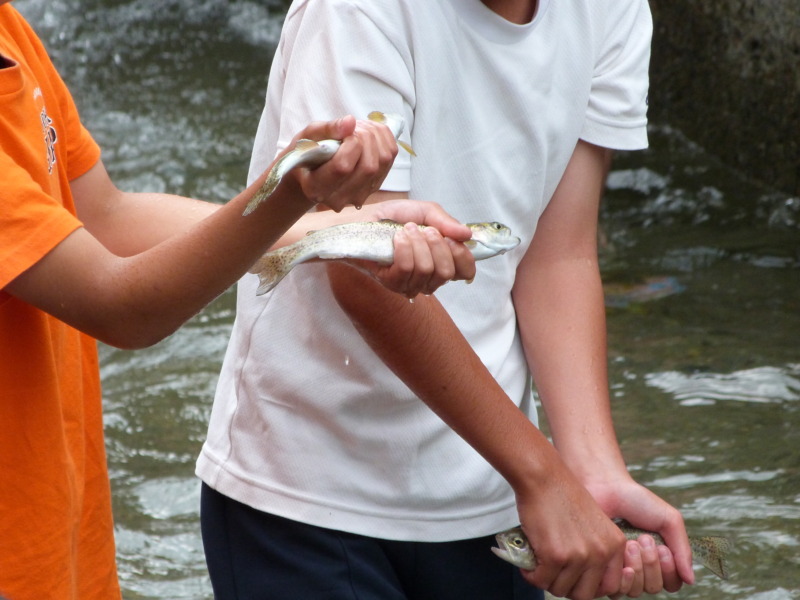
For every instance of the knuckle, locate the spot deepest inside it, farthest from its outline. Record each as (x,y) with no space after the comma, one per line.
(650,559)
(558,590)
(342,167)
(560,559)
(447,272)
(426,269)
(372,168)
(387,153)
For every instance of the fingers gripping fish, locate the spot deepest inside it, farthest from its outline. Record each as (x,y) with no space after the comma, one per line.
(308,153)
(711,551)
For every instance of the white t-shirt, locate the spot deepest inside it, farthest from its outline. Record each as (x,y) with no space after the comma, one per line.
(307,422)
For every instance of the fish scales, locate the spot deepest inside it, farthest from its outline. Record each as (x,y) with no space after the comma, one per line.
(368,240)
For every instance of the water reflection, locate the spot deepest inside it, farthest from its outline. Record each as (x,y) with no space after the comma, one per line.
(705,380)
(760,385)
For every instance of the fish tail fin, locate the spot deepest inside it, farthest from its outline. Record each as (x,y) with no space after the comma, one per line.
(271,269)
(712,553)
(380,117)
(406,147)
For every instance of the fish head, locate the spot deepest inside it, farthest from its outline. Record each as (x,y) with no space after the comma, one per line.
(513,547)
(490,239)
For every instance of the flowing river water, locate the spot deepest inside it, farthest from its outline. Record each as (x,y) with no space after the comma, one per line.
(702,271)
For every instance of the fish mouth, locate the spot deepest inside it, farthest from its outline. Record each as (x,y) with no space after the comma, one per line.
(501,553)
(500,550)
(499,247)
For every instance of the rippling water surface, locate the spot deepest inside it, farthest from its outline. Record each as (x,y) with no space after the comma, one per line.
(702,271)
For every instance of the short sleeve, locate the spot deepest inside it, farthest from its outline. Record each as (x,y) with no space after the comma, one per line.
(81,151)
(340,57)
(617,113)
(43,146)
(32,223)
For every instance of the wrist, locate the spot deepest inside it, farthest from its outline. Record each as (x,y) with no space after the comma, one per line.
(594,462)
(291,191)
(532,464)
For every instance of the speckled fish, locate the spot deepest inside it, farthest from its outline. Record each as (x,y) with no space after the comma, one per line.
(710,552)
(369,240)
(308,153)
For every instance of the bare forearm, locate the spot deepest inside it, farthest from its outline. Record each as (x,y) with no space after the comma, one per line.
(175,279)
(423,347)
(137,300)
(564,335)
(136,222)
(558,298)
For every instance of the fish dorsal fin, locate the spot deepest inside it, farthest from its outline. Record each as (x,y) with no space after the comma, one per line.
(305,144)
(389,222)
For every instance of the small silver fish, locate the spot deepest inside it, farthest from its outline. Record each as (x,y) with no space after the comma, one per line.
(369,240)
(711,551)
(308,153)
(396,125)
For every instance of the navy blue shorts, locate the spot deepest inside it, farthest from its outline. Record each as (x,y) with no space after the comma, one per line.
(253,555)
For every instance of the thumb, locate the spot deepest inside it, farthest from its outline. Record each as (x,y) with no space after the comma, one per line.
(341,128)
(337,129)
(448,226)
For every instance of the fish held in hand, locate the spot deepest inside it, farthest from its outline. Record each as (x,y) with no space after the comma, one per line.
(368,240)
(311,154)
(396,125)
(710,552)
(306,153)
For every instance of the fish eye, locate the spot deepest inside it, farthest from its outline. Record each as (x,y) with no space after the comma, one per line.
(497,226)
(518,542)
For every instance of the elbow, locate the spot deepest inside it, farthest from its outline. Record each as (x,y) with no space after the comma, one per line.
(131,316)
(126,338)
(133,332)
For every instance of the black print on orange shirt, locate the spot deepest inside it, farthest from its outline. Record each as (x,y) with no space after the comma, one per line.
(50,139)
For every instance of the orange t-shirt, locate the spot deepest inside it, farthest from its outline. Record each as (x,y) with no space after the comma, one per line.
(56,529)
